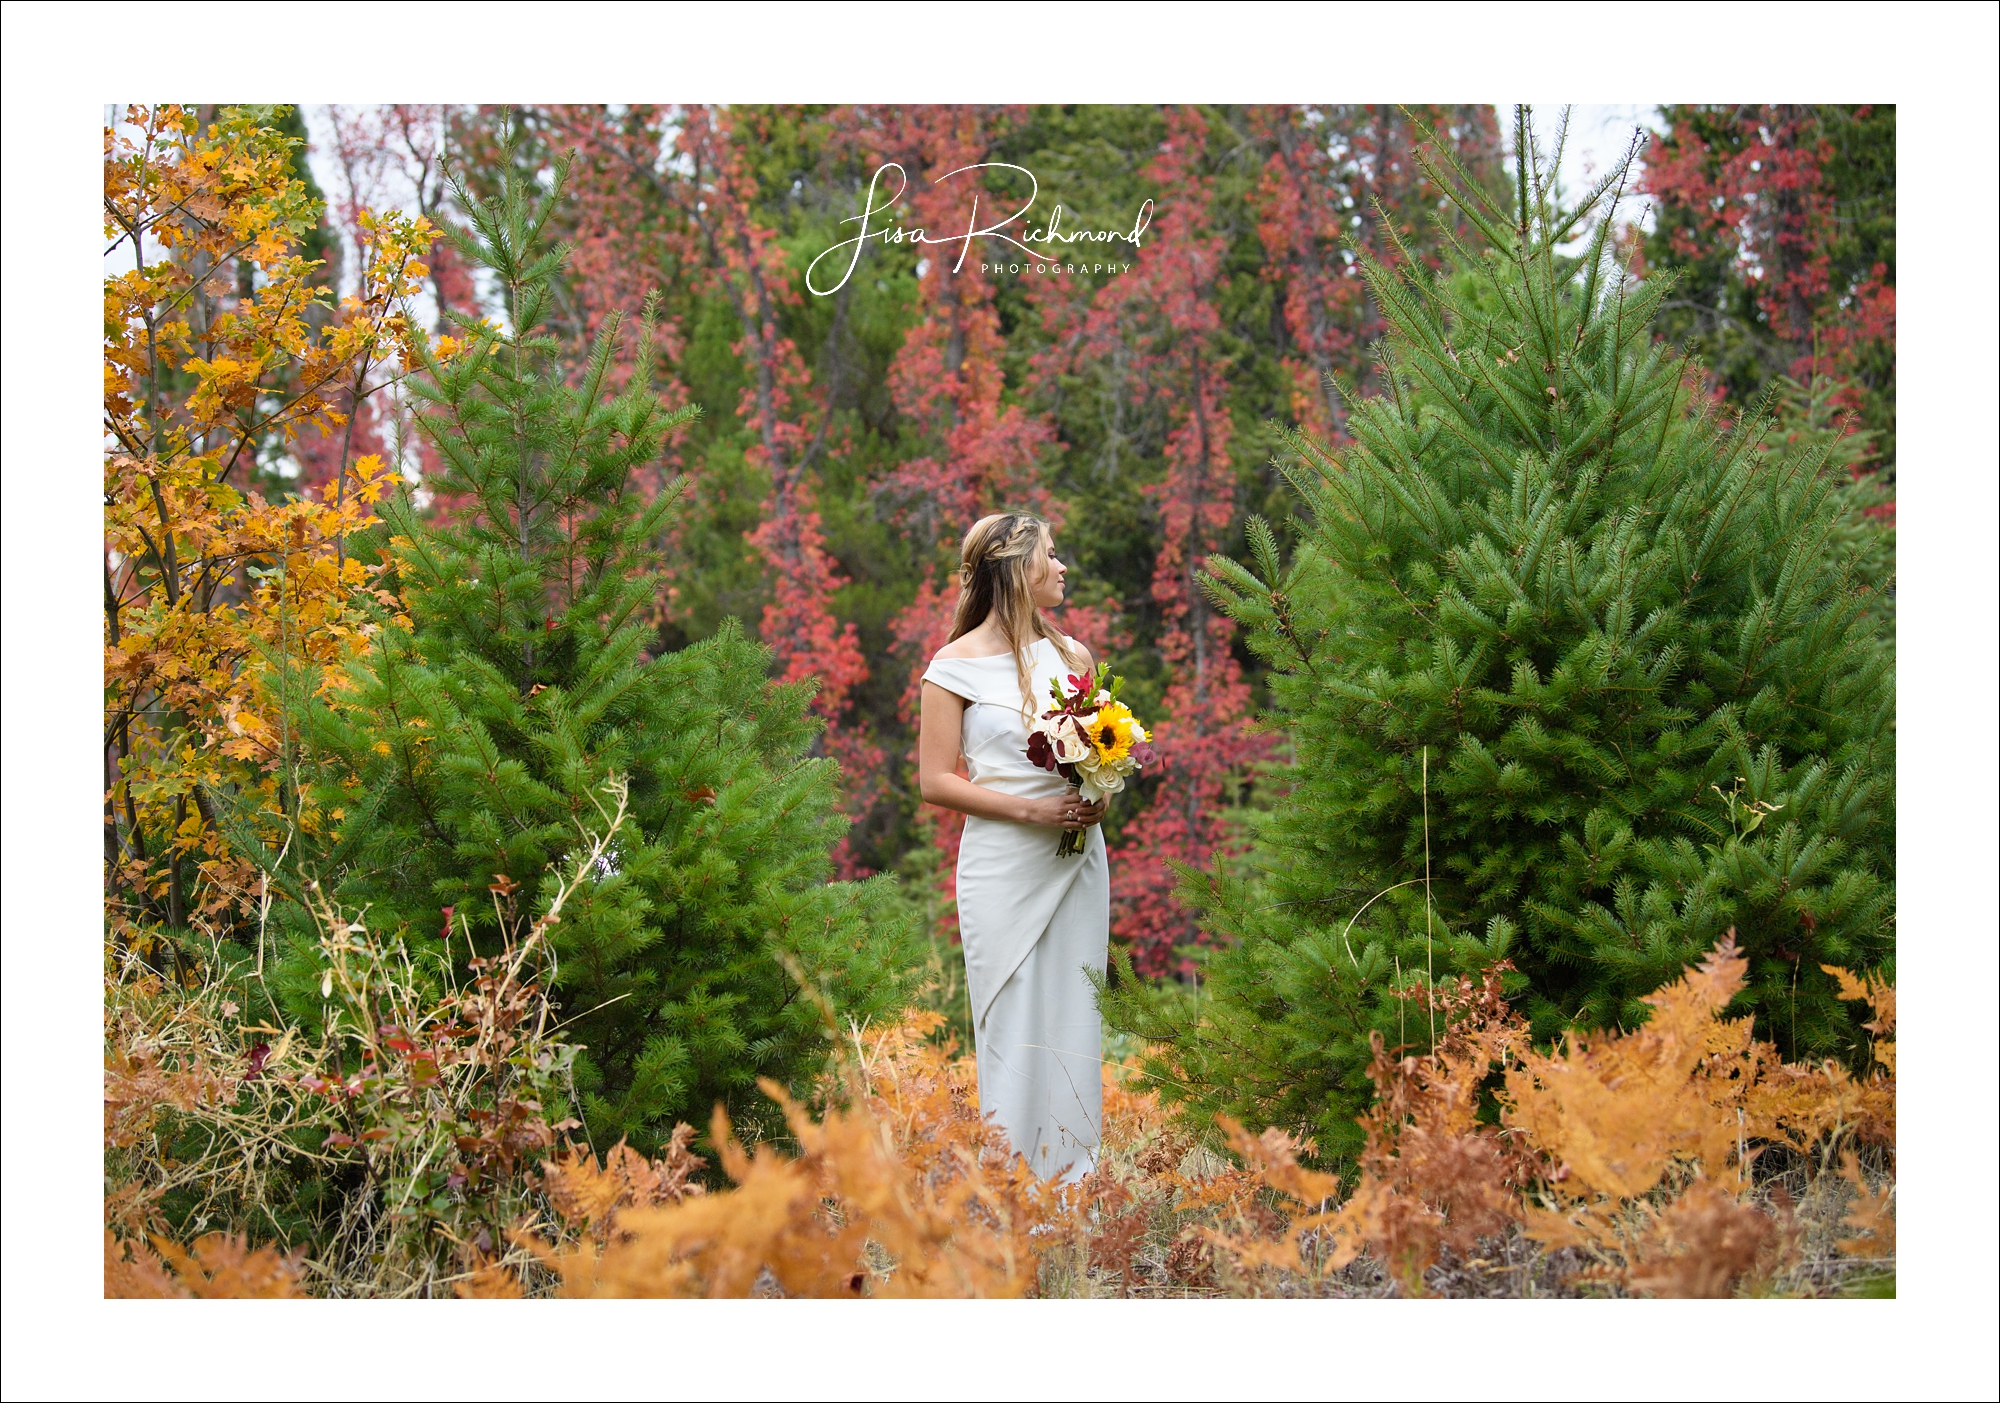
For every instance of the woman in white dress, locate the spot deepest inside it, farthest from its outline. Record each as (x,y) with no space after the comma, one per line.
(1031,922)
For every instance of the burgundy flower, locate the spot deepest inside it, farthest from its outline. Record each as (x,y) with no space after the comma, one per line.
(1040,752)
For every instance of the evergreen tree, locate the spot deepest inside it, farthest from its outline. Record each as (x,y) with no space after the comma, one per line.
(450,770)
(1809,419)
(1574,675)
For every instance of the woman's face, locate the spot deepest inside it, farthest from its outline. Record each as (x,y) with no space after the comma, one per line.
(1046,584)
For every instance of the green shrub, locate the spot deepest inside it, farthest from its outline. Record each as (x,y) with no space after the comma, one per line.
(452,768)
(1563,642)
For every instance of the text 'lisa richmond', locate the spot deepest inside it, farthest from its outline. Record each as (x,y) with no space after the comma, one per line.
(1057,255)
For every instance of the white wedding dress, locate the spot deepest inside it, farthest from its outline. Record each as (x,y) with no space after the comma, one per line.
(1031,923)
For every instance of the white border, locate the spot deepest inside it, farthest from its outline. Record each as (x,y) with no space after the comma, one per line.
(63,62)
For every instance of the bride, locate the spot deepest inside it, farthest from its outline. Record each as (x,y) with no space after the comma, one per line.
(1031,922)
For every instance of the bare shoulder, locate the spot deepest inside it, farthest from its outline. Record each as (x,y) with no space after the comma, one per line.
(972,645)
(1089,658)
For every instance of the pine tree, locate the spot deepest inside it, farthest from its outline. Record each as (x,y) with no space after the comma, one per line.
(1574,675)
(448,772)
(1814,416)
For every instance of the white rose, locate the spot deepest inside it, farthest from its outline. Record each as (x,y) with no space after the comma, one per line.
(1100,783)
(1067,740)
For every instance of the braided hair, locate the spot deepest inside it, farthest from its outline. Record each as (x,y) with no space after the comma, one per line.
(996,565)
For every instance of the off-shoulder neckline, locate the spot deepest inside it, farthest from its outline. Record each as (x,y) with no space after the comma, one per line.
(989,657)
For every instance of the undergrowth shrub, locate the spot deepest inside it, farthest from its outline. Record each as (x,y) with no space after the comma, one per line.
(903,1191)
(1622,1163)
(389,1145)
(1630,1152)
(419,1147)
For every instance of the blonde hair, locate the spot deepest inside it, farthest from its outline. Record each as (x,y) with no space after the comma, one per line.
(996,563)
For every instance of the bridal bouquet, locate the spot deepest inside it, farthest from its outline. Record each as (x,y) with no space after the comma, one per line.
(1091,739)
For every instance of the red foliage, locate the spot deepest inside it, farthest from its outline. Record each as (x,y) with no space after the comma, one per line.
(1165,311)
(748,267)
(1332,174)
(981,453)
(1302,217)
(947,380)
(1867,318)
(1767,199)
(626,234)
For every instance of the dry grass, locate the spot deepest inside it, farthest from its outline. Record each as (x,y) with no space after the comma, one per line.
(388,1152)
(1682,1158)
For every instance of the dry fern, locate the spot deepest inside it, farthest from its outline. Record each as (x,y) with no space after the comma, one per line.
(906,1192)
(215,1265)
(1630,1152)
(1618,1161)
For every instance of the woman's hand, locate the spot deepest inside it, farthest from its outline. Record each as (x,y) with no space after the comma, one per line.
(1064,811)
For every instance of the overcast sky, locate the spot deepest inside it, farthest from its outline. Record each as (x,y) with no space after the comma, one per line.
(1597,134)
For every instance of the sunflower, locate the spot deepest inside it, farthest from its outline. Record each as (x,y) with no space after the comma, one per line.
(1112,732)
